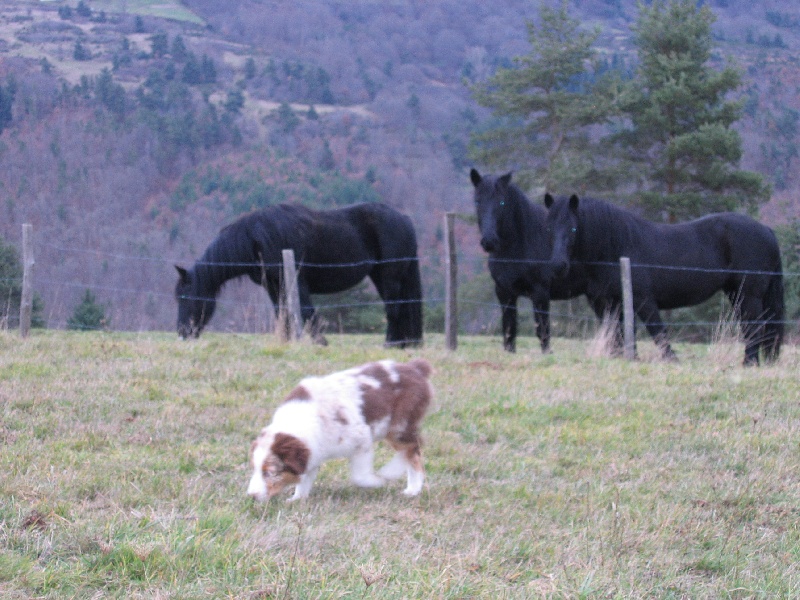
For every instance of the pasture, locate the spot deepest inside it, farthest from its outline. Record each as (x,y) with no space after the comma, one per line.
(124,467)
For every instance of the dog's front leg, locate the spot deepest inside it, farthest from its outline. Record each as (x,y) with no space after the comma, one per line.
(303,487)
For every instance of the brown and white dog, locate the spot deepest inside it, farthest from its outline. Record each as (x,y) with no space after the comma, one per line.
(342,415)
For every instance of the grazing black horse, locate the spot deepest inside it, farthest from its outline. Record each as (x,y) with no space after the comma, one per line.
(334,251)
(674,265)
(513,233)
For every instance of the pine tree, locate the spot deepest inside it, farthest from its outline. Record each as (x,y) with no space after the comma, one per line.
(88,315)
(545,106)
(7,94)
(681,133)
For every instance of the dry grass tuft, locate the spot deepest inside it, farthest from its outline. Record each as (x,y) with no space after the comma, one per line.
(602,344)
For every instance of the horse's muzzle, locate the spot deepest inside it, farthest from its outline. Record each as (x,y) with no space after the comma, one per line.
(489,244)
(560,268)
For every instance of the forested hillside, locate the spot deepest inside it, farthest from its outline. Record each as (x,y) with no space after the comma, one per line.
(130,133)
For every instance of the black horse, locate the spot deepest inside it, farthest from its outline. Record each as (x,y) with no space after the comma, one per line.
(334,251)
(513,233)
(674,265)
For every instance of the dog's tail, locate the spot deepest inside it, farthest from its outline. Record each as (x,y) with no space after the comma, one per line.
(422,366)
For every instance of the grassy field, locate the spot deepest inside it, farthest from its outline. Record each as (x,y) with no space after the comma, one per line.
(124,465)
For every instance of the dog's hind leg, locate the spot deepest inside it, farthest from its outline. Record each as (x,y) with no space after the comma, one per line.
(416,472)
(361,473)
(408,460)
(395,468)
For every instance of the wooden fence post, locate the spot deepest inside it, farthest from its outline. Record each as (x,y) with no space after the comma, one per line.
(26,302)
(627,308)
(291,296)
(450,284)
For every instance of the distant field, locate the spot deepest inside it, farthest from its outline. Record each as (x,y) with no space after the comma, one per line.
(123,460)
(154,8)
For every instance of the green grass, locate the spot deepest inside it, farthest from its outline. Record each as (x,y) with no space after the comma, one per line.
(124,466)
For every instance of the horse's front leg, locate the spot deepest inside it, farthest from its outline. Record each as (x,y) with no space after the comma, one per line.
(541,314)
(648,313)
(508,306)
(309,315)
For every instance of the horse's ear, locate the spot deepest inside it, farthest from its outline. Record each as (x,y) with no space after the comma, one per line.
(573,203)
(475,177)
(548,200)
(504,180)
(183,274)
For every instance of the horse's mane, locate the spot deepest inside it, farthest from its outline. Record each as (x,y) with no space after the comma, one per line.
(233,252)
(528,215)
(608,229)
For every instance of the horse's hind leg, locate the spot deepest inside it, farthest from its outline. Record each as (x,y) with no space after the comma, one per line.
(751,317)
(390,292)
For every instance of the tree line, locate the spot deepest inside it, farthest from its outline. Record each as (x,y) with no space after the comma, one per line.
(659,134)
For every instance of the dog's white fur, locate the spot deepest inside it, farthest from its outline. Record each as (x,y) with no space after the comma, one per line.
(342,415)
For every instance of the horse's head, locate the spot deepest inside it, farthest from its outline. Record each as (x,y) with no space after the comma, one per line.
(562,226)
(194,311)
(491,197)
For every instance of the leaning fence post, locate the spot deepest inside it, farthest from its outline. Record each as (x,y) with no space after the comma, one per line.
(627,307)
(291,296)
(26,302)
(450,284)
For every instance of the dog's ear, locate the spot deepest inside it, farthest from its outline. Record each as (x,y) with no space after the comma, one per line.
(292,453)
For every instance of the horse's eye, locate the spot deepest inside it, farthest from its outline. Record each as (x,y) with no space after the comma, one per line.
(574,229)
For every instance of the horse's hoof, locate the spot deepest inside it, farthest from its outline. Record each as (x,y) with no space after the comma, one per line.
(320,340)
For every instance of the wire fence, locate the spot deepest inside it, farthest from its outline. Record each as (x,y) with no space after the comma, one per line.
(475,262)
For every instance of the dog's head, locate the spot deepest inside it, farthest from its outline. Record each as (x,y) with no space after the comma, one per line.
(278,461)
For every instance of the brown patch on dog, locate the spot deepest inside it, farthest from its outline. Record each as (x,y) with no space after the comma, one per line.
(376,402)
(298,393)
(340,417)
(292,452)
(404,400)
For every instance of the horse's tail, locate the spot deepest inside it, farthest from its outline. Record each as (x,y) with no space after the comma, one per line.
(774,314)
(412,298)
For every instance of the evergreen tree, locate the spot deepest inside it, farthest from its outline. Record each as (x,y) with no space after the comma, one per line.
(80,52)
(287,120)
(234,102)
(208,71)
(681,134)
(88,315)
(545,105)
(83,10)
(249,68)
(7,94)
(178,50)
(191,73)
(110,94)
(159,44)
